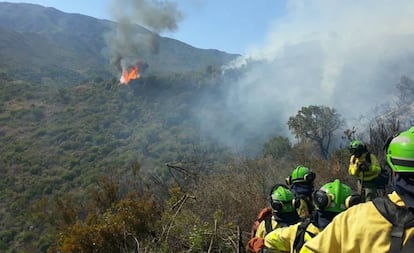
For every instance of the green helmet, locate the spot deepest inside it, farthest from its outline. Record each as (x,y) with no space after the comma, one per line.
(357,147)
(281,199)
(301,174)
(335,197)
(400,152)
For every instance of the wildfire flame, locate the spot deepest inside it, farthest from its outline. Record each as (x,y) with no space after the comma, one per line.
(129,74)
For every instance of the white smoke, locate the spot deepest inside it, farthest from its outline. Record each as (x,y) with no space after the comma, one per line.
(344,54)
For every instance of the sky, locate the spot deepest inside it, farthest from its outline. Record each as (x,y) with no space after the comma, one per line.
(232,26)
(345,54)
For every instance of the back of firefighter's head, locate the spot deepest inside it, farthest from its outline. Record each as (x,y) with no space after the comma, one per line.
(281,199)
(301,174)
(357,148)
(335,197)
(400,152)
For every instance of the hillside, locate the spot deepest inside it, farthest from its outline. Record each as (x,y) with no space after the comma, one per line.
(45,45)
(65,120)
(170,161)
(56,141)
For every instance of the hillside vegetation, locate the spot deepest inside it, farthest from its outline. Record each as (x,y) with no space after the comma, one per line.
(89,165)
(78,160)
(60,140)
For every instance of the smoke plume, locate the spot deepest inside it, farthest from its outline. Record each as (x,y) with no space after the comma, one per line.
(344,54)
(128,42)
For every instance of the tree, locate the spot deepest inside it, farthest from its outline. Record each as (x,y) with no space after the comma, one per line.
(277,147)
(316,123)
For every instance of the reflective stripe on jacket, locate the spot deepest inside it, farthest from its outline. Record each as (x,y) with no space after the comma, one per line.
(360,228)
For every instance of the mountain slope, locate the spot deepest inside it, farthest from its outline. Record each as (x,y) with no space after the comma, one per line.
(72,47)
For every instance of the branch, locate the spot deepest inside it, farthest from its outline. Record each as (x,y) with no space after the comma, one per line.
(213,236)
(181,170)
(180,203)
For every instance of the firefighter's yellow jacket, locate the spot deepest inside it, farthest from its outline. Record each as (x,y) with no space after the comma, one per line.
(282,238)
(360,228)
(261,229)
(261,232)
(373,170)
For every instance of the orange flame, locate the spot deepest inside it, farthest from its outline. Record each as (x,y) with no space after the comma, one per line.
(128,75)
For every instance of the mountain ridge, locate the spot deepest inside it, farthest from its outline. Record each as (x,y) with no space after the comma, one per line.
(79,44)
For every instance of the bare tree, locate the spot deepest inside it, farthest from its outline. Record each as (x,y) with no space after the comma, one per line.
(380,129)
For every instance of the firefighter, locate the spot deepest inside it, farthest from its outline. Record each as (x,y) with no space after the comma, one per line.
(331,199)
(283,214)
(364,166)
(384,224)
(301,183)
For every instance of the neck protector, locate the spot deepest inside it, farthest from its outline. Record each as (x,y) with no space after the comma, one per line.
(302,190)
(322,219)
(404,186)
(286,219)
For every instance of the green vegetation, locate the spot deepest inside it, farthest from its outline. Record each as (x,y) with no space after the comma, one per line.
(59,140)
(316,123)
(85,165)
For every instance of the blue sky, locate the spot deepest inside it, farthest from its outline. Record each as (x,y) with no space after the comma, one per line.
(233,26)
